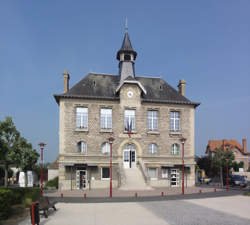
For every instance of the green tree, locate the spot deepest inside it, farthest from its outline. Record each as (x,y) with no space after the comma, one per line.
(9,137)
(26,157)
(219,161)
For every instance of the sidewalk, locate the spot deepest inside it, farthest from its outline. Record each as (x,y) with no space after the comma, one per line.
(103,193)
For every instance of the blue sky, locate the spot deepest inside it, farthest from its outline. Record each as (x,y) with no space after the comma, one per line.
(207,43)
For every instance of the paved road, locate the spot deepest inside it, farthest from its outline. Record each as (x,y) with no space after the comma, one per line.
(229,210)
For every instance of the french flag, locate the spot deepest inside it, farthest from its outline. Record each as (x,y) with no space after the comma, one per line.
(128,127)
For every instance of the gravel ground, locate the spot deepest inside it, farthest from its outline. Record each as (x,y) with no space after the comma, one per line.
(200,211)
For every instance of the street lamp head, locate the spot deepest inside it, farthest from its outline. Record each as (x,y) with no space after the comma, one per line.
(111,140)
(182,139)
(41,144)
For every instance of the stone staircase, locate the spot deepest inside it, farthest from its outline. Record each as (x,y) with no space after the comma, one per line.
(134,180)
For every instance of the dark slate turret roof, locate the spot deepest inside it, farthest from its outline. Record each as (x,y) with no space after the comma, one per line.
(103,86)
(126,47)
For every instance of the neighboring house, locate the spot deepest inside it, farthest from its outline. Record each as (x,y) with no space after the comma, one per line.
(146,117)
(240,151)
(53,170)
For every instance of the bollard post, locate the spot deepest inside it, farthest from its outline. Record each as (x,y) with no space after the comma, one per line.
(85,195)
(32,214)
(200,191)
(215,190)
(162,194)
(136,195)
(61,195)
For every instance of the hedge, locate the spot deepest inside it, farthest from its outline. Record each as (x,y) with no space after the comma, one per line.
(5,203)
(12,196)
(52,183)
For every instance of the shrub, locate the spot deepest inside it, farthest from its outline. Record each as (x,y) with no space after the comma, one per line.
(5,204)
(52,183)
(12,196)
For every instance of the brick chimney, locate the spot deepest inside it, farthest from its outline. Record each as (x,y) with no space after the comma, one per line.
(244,144)
(181,87)
(66,81)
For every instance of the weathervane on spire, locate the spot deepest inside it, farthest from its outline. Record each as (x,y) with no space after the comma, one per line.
(126,25)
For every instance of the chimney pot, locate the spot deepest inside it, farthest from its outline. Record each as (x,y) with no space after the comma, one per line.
(244,144)
(181,86)
(66,81)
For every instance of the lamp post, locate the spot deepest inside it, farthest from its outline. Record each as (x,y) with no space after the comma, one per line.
(183,141)
(41,144)
(227,147)
(111,140)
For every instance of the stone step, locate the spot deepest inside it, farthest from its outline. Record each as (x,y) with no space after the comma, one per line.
(134,180)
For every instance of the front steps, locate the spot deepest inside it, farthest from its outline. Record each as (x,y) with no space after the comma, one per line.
(134,180)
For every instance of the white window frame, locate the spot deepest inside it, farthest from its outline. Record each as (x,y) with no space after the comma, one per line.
(153,120)
(129,117)
(83,145)
(156,173)
(175,121)
(164,175)
(175,149)
(153,149)
(106,115)
(102,173)
(82,118)
(106,148)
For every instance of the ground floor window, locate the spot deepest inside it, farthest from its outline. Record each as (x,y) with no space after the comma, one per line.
(164,172)
(105,173)
(152,173)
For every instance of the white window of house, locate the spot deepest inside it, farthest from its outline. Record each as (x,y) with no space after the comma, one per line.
(82,117)
(175,149)
(106,118)
(153,149)
(129,119)
(82,147)
(164,172)
(152,173)
(105,148)
(152,120)
(105,173)
(174,121)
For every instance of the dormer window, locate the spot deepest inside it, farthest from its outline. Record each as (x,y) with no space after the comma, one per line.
(127,57)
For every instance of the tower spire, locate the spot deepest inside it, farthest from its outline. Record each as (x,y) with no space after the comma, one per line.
(126,25)
(126,56)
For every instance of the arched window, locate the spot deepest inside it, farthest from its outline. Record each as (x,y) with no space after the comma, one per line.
(105,148)
(127,57)
(153,149)
(175,149)
(82,147)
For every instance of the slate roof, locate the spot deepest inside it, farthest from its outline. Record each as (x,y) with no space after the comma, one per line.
(126,47)
(103,86)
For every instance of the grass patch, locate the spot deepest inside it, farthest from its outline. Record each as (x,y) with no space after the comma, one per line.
(247,193)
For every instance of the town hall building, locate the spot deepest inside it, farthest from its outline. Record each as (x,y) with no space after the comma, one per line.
(145,116)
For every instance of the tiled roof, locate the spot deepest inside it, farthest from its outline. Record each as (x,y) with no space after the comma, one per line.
(217,144)
(54,165)
(103,86)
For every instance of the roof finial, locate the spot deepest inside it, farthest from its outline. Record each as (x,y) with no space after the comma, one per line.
(126,25)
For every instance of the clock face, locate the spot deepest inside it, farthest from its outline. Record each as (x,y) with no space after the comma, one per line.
(130,94)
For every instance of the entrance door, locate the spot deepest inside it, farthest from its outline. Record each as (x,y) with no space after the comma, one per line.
(175,175)
(81,179)
(129,157)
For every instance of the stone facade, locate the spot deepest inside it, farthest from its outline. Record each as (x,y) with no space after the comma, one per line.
(141,137)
